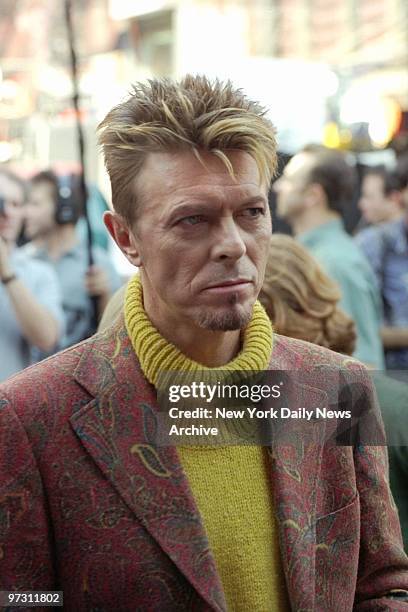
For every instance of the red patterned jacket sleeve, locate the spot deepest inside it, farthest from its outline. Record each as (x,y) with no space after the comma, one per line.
(382,572)
(25,539)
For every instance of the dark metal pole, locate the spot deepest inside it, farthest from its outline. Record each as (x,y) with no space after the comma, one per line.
(81,146)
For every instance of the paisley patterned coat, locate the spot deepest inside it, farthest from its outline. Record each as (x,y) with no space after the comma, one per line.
(90,506)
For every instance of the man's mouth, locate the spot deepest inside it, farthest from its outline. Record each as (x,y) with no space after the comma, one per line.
(226,286)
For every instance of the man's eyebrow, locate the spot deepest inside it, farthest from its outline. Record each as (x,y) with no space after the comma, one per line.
(191,209)
(256,200)
(205,206)
(197,208)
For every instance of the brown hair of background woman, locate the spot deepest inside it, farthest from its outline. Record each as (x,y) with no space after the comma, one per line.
(301,300)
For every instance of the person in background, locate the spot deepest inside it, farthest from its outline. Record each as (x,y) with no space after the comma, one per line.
(380,199)
(311,194)
(113,308)
(96,205)
(30,301)
(51,216)
(302,302)
(386,249)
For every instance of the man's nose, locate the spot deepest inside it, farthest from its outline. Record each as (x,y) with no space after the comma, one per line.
(229,242)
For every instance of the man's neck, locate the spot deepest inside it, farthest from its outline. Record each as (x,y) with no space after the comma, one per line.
(211,349)
(311,219)
(214,349)
(59,241)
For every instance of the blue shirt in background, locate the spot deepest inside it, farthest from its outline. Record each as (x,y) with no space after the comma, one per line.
(40,278)
(71,268)
(386,249)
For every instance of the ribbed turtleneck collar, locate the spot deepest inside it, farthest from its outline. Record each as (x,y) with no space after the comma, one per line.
(156,354)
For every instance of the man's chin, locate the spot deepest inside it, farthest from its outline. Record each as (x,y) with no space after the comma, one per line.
(227,319)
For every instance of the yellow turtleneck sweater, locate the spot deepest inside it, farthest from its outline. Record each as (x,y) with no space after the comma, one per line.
(231,484)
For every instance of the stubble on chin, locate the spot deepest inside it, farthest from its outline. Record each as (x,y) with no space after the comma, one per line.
(227,319)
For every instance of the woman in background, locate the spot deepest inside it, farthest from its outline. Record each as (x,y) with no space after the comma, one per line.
(302,302)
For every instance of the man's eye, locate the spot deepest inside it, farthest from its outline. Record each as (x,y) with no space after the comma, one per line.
(192,219)
(254,212)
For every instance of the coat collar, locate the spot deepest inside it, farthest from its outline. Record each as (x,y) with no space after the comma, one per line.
(117,428)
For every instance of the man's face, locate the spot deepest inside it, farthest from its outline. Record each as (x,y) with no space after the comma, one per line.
(40,211)
(290,187)
(375,206)
(11,219)
(202,239)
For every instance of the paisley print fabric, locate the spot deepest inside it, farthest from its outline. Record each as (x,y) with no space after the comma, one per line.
(90,506)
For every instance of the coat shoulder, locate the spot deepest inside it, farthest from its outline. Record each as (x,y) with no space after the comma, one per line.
(59,383)
(293,354)
(52,370)
(46,386)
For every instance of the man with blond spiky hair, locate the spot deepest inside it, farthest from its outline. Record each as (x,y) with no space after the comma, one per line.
(93,503)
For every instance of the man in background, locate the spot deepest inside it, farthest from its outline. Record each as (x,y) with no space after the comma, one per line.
(380,200)
(30,305)
(311,194)
(51,215)
(386,249)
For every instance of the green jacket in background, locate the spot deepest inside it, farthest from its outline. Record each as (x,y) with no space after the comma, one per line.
(393,400)
(344,263)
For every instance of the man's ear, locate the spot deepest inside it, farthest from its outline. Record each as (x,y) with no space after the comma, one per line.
(123,236)
(314,194)
(396,198)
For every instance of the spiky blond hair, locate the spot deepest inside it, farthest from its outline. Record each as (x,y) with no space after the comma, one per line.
(194,113)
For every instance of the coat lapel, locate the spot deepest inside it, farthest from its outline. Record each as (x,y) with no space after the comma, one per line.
(117,428)
(296,455)
(296,458)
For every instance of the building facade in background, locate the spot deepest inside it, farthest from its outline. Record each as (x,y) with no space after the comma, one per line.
(317,58)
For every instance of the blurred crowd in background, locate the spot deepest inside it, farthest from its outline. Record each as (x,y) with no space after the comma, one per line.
(339,103)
